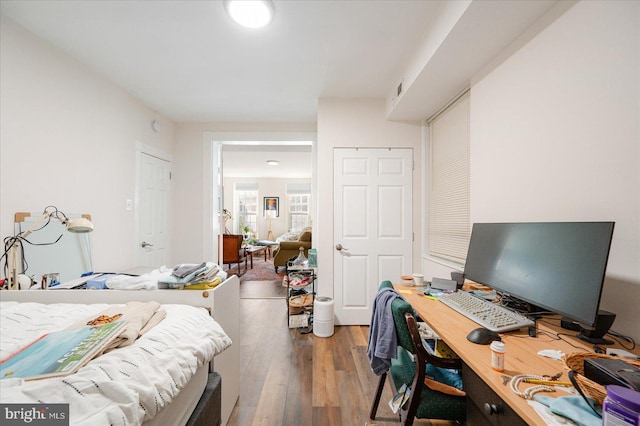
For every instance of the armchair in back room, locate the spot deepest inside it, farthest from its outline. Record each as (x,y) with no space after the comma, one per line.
(289,249)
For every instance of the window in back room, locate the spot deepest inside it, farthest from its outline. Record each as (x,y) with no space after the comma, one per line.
(246,207)
(299,205)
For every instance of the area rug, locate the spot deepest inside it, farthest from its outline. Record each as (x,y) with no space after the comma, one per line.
(261,271)
(261,281)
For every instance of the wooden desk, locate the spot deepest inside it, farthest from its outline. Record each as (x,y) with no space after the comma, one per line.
(521,356)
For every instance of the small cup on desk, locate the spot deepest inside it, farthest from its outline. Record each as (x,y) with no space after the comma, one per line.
(418,280)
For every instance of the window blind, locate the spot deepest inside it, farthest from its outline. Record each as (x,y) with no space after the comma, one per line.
(449,201)
(298,188)
(246,186)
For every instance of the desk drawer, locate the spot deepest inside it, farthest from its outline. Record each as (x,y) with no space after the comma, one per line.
(479,394)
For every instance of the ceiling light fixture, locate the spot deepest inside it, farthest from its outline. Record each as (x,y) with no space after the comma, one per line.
(250,13)
(273,162)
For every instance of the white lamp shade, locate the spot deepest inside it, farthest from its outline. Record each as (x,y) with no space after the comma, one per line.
(271,214)
(80,225)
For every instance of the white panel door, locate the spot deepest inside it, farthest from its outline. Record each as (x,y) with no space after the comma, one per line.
(153,209)
(373,235)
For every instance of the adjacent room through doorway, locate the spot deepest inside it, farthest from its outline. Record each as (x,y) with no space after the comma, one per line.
(267,199)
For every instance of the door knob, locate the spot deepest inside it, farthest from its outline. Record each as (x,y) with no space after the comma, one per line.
(339,247)
(146,244)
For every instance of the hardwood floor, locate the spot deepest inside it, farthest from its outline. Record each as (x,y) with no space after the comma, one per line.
(289,378)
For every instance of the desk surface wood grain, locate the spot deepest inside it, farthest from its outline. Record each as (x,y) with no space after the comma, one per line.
(521,356)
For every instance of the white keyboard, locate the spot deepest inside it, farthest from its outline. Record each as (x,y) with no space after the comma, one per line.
(487,314)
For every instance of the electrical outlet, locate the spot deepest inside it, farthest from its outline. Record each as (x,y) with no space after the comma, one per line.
(129,204)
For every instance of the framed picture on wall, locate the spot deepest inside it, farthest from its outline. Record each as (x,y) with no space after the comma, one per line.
(271,207)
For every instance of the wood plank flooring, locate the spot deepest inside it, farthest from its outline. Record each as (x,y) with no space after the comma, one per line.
(289,378)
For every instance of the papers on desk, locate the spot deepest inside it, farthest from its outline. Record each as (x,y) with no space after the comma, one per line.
(435,292)
(488,295)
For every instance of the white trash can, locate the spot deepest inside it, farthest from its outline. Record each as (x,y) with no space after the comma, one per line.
(323,317)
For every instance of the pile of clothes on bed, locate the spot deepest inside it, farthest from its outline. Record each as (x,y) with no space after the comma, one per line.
(188,276)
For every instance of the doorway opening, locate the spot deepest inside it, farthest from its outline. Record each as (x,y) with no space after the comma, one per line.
(266,196)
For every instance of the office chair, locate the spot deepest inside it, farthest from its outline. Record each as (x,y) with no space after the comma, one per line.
(424,403)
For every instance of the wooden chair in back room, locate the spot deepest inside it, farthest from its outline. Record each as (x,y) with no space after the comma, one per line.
(233,252)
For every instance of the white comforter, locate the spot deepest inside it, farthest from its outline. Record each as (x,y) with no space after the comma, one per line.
(123,387)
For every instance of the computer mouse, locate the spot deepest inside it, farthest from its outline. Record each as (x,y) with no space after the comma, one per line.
(482,336)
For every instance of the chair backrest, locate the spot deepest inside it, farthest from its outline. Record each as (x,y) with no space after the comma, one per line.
(398,308)
(305,235)
(232,248)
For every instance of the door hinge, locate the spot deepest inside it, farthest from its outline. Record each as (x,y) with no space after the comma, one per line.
(170,175)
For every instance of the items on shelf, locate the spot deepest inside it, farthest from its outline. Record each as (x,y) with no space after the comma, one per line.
(300,282)
(301,260)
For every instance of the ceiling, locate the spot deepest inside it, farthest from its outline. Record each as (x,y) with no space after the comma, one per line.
(250,161)
(187,60)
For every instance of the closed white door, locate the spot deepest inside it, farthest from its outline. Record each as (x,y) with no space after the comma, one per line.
(373,234)
(153,211)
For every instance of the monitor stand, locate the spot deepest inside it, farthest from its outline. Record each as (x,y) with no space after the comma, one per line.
(595,340)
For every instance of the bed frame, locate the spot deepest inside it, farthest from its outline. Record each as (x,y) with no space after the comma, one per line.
(223,303)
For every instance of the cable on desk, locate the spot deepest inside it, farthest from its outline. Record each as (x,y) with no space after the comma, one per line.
(550,335)
(554,336)
(571,335)
(618,336)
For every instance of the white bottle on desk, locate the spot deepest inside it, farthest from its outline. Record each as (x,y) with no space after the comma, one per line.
(497,355)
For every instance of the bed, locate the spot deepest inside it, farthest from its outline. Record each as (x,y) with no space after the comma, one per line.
(125,386)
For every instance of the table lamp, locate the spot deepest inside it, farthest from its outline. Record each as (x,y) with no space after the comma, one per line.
(12,244)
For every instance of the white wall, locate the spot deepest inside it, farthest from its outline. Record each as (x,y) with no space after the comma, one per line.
(356,123)
(67,138)
(555,137)
(267,187)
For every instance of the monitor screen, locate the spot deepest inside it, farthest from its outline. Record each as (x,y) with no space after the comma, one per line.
(559,266)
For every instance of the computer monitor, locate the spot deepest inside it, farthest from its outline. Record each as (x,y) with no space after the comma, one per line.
(559,266)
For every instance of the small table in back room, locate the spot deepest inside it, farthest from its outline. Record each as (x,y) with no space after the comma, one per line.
(251,250)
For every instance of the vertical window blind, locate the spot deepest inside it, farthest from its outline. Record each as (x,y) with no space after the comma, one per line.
(449,200)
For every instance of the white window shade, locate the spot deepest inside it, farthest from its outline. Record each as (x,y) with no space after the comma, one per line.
(246,186)
(298,188)
(449,205)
